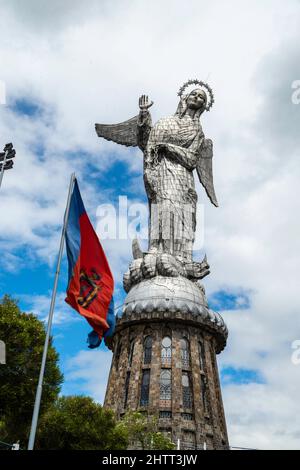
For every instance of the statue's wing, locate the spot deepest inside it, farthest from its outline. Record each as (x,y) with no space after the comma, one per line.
(124,133)
(204,170)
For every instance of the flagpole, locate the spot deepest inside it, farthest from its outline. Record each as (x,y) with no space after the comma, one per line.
(51,311)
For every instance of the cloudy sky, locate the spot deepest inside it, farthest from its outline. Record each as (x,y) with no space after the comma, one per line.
(68,64)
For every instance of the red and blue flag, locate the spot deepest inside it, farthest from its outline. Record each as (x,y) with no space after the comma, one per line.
(90,284)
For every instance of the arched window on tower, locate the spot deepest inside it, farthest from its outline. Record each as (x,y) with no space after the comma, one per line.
(117,355)
(185,353)
(147,350)
(126,389)
(130,355)
(166,351)
(187,396)
(201,355)
(165,387)
(144,400)
(204,392)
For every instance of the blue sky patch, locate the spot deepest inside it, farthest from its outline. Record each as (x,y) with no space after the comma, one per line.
(120,176)
(229,300)
(240,376)
(26,107)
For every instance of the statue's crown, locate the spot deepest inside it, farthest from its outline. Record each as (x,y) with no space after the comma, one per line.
(203,85)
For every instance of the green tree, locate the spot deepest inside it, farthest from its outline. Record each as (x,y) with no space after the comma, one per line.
(79,423)
(143,432)
(24,336)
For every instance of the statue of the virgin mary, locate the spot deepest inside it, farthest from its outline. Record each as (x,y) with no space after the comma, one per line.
(172,148)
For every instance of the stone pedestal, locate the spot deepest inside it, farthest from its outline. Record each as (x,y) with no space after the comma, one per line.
(164,361)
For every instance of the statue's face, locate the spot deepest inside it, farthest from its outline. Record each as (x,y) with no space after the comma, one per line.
(196,99)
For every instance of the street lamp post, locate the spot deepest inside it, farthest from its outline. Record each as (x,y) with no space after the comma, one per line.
(6,162)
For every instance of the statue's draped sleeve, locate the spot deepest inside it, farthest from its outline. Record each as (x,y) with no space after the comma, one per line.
(144,125)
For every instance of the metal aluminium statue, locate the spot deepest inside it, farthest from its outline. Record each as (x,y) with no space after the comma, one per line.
(165,297)
(172,148)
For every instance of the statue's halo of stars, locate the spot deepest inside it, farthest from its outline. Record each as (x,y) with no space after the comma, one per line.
(202,84)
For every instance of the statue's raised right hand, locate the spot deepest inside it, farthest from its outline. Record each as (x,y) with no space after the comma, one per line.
(144,103)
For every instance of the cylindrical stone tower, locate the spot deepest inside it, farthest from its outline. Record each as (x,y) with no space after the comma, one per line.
(164,361)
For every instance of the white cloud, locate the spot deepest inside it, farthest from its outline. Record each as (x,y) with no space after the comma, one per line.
(87,373)
(40,305)
(261,417)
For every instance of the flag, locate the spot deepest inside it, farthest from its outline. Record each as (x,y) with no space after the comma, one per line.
(90,283)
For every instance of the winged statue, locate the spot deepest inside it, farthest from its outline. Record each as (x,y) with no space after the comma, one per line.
(173,148)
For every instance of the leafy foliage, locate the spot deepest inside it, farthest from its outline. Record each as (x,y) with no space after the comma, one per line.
(78,423)
(24,336)
(142,432)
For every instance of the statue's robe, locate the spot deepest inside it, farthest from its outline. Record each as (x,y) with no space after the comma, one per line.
(170,185)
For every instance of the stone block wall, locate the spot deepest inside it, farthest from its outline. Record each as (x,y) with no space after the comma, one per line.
(195,420)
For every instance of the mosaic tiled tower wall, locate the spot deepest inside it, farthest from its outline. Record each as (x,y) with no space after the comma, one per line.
(164,361)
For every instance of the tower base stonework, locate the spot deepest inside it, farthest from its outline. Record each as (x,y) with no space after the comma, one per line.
(164,361)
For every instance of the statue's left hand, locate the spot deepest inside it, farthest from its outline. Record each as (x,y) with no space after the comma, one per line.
(163,147)
(162,150)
